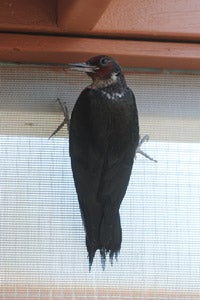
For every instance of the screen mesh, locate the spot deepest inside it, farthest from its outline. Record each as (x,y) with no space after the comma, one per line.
(42,247)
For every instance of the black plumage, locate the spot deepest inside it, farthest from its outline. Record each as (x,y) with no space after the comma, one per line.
(104,135)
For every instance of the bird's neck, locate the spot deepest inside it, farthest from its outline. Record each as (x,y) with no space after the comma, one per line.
(112,91)
(112,81)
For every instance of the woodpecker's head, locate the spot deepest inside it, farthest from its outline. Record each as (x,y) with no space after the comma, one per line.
(103,70)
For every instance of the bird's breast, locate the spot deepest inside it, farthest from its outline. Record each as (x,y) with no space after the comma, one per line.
(111,123)
(113,96)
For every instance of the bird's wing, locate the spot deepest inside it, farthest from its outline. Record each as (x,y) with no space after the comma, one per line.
(87,165)
(117,170)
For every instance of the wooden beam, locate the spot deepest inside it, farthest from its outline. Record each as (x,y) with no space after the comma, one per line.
(167,20)
(61,50)
(28,16)
(78,15)
(151,20)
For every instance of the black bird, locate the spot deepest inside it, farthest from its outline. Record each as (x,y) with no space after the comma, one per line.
(104,135)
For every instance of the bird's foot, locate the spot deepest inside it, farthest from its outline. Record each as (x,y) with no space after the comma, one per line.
(66,118)
(140,151)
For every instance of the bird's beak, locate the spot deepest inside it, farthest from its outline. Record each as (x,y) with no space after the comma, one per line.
(83,67)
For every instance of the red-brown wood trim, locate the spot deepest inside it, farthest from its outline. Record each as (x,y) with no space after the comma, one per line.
(28,16)
(48,49)
(151,20)
(78,15)
(168,20)
(48,292)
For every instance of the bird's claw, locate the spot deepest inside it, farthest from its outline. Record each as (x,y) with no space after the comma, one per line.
(66,118)
(58,129)
(144,139)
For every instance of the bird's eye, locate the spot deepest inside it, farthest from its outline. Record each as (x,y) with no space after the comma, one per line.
(104,61)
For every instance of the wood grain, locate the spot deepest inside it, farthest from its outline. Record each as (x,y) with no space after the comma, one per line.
(172,19)
(150,20)
(28,16)
(80,16)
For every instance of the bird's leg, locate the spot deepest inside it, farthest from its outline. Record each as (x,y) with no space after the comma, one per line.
(66,118)
(139,150)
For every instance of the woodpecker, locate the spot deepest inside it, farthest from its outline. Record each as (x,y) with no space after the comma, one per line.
(103,139)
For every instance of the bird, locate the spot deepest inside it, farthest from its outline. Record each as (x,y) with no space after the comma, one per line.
(103,139)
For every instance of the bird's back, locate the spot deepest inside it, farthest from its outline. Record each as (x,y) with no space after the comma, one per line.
(104,136)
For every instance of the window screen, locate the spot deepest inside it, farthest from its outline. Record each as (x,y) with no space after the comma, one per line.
(42,240)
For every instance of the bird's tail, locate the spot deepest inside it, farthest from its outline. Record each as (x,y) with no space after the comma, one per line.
(106,237)
(110,237)
(91,251)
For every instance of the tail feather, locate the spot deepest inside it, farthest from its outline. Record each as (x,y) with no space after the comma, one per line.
(111,235)
(103,253)
(92,245)
(107,239)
